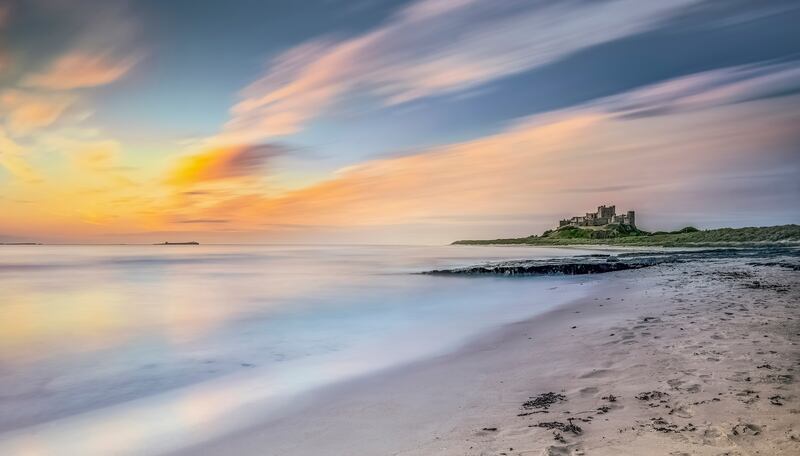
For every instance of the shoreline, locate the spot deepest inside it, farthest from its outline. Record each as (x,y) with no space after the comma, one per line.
(630,338)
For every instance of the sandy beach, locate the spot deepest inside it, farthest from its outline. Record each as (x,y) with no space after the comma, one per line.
(695,358)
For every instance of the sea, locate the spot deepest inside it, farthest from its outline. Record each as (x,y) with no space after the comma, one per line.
(148,349)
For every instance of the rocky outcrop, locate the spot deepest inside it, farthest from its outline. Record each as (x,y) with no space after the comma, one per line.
(600,263)
(570,266)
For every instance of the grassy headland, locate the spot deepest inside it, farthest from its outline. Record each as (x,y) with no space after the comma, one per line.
(625,235)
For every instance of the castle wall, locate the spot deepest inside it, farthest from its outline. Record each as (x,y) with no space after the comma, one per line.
(604,216)
(632,218)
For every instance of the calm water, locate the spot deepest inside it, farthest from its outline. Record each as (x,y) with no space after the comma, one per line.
(146,349)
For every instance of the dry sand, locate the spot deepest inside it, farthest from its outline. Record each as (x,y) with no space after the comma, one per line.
(700,358)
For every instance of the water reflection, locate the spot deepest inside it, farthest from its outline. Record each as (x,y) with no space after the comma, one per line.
(142,349)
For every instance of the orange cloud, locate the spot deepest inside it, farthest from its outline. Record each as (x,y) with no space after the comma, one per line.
(80,69)
(27,111)
(492,173)
(224,163)
(515,182)
(538,169)
(11,160)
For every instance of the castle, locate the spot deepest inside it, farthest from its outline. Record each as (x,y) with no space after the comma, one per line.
(604,216)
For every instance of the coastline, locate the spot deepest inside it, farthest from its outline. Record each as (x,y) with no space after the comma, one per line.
(674,329)
(629,235)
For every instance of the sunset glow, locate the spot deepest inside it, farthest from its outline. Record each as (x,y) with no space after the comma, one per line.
(113,130)
(399,227)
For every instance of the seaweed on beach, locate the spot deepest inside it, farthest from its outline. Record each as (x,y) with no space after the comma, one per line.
(543,401)
(776,399)
(661,425)
(651,396)
(569,426)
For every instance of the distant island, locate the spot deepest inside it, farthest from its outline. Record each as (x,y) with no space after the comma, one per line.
(179,243)
(605,227)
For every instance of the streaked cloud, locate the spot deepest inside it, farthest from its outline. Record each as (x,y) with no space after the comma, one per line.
(79,69)
(26,110)
(11,158)
(41,104)
(432,47)
(103,51)
(708,89)
(94,155)
(224,163)
(94,158)
(202,221)
(513,114)
(572,158)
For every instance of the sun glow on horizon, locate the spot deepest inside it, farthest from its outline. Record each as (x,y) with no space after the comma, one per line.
(322,143)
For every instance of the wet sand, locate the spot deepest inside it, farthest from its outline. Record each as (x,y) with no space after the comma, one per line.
(695,358)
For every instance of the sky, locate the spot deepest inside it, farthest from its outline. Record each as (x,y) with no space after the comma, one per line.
(392,121)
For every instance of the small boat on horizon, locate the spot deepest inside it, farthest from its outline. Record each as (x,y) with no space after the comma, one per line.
(179,243)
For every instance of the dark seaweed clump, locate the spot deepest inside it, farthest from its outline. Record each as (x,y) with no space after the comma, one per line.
(543,401)
(652,396)
(569,426)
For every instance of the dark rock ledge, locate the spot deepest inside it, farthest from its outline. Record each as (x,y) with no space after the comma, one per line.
(600,263)
(576,266)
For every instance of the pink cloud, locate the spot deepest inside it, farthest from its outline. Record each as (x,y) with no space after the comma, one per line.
(102,52)
(431,47)
(79,70)
(708,89)
(26,111)
(540,169)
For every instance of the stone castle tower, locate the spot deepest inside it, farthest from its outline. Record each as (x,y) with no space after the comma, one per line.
(605,215)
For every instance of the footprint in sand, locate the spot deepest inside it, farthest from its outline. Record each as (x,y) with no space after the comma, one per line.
(745,429)
(682,411)
(675,383)
(568,450)
(693,388)
(739,377)
(588,391)
(596,373)
(715,436)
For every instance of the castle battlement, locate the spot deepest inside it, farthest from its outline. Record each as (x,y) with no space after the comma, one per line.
(605,215)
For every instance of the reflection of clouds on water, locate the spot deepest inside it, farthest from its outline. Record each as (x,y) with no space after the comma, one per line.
(135,347)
